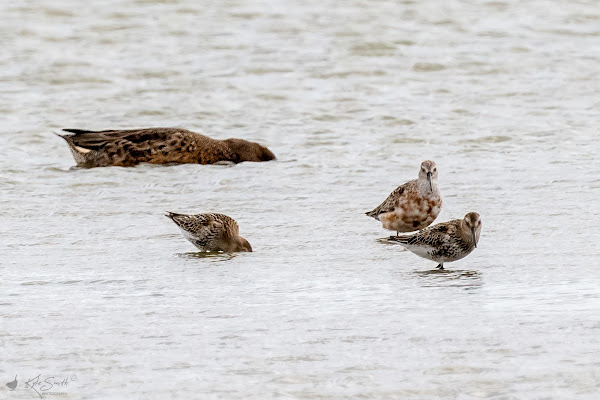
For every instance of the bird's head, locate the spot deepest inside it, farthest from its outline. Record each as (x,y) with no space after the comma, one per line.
(473,223)
(244,245)
(429,172)
(244,150)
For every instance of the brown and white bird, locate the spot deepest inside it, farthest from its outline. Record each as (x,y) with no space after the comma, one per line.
(126,148)
(211,232)
(413,205)
(444,242)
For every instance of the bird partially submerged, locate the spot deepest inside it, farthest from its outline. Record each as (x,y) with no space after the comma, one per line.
(126,148)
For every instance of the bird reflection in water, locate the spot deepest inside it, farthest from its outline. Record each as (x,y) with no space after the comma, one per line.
(209,255)
(12,385)
(467,279)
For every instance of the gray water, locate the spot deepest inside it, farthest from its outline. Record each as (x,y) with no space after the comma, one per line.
(99,288)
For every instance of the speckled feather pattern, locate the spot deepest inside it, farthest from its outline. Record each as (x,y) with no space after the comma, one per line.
(445,242)
(411,206)
(127,148)
(211,231)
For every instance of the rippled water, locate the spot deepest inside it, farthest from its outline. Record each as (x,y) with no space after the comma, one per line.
(351,96)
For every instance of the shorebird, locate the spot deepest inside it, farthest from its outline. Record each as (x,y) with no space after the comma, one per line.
(126,148)
(412,206)
(444,242)
(211,232)
(12,385)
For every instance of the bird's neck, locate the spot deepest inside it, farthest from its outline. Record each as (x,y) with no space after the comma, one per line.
(425,189)
(466,233)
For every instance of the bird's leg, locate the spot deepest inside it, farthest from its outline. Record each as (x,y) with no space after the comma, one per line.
(397,233)
(440,266)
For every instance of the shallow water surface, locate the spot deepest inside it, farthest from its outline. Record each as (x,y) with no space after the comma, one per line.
(97,285)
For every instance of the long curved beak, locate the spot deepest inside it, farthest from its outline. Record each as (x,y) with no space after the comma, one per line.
(474,236)
(429,179)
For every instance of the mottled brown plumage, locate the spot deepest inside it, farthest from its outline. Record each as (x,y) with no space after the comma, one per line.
(211,232)
(126,148)
(413,205)
(445,242)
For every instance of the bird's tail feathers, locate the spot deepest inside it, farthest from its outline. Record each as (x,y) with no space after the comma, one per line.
(400,239)
(78,131)
(80,154)
(171,215)
(372,214)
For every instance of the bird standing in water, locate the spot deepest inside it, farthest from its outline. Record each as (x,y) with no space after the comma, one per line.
(444,242)
(413,205)
(211,232)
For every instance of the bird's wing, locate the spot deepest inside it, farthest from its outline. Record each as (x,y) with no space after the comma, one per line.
(230,226)
(202,227)
(95,140)
(390,203)
(433,236)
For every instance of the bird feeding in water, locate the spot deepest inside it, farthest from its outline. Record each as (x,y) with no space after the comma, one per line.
(211,232)
(126,148)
